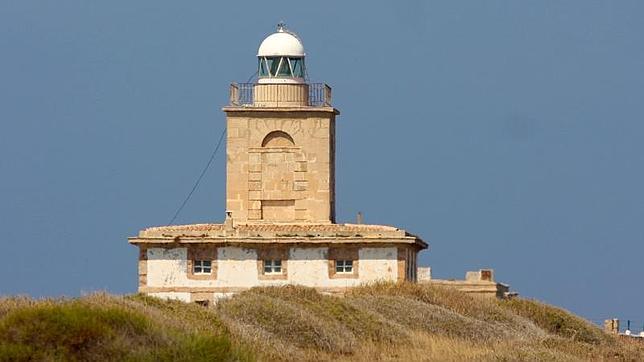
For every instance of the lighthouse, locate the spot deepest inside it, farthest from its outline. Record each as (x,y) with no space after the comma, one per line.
(280,224)
(281,140)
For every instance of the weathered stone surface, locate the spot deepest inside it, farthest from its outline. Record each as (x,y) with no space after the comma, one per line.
(476,282)
(424,273)
(285,154)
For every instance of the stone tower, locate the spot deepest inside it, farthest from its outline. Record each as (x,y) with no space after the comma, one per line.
(281,141)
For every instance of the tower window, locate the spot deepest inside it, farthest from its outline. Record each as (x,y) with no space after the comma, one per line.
(202,267)
(272,266)
(344,266)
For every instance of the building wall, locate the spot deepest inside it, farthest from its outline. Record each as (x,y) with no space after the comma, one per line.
(237,268)
(280,181)
(182,296)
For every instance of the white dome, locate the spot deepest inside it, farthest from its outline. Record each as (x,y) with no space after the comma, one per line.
(281,43)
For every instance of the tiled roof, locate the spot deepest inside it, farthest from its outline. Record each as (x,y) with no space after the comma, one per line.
(180,228)
(273,232)
(284,228)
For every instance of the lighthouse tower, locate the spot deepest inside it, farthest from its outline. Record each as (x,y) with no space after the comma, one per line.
(281,140)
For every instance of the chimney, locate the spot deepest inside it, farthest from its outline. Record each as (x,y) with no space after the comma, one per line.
(228,223)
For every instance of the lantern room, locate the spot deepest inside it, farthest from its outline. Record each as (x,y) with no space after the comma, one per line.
(281,58)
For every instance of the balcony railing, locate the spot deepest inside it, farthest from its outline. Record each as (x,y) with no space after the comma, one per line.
(314,94)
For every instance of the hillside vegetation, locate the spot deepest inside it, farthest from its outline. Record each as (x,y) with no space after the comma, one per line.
(377,322)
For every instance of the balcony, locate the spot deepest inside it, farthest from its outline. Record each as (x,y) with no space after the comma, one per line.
(280,95)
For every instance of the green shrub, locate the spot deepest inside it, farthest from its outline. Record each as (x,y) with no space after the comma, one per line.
(69,329)
(108,328)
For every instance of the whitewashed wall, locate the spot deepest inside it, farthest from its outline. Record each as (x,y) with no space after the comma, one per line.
(182,296)
(378,264)
(237,267)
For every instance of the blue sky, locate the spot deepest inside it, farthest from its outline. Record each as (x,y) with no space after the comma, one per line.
(508,134)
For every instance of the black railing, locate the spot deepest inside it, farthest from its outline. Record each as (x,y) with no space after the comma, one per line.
(319,95)
(242,94)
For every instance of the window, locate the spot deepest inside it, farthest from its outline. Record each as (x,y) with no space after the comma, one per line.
(272,266)
(344,266)
(273,64)
(272,262)
(263,69)
(203,303)
(344,262)
(202,267)
(202,262)
(298,67)
(285,69)
(281,67)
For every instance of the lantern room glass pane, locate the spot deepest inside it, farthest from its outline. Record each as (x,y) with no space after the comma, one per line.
(298,67)
(263,71)
(285,70)
(273,63)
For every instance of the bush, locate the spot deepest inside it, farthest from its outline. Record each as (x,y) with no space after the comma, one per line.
(106,328)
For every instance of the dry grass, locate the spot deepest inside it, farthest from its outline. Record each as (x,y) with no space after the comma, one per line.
(558,321)
(388,321)
(292,321)
(371,323)
(441,310)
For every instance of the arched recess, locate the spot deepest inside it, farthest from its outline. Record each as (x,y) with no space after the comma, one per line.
(278,139)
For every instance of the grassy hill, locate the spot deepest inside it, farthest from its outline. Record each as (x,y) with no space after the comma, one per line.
(383,321)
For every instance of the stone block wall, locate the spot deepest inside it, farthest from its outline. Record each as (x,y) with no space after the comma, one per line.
(280,166)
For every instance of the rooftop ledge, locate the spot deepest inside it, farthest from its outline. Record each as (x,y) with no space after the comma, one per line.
(276,233)
(250,108)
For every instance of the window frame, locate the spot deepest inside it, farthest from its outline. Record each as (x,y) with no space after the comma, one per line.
(272,266)
(284,69)
(297,64)
(272,254)
(344,266)
(263,70)
(201,253)
(342,255)
(201,264)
